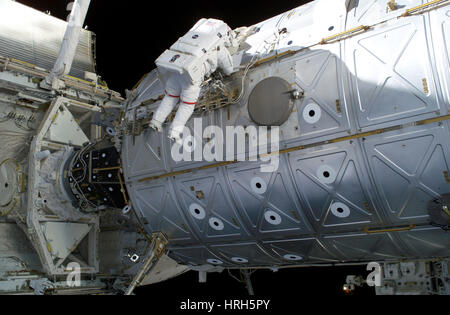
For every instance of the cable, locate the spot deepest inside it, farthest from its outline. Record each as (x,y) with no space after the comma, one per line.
(234,277)
(79,157)
(249,66)
(252,62)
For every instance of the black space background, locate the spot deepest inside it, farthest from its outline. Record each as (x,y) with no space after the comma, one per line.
(130,36)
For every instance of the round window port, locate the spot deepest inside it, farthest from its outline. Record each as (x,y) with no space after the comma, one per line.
(126,210)
(331,28)
(273,218)
(258,185)
(197,211)
(189,144)
(292,257)
(340,210)
(6,185)
(215,262)
(216,224)
(326,174)
(312,113)
(239,260)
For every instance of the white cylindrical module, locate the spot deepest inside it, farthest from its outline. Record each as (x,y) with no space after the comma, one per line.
(363,151)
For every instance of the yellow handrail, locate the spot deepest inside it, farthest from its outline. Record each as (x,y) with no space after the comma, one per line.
(424,7)
(409,228)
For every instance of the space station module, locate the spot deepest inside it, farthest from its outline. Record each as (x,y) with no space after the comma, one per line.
(184,67)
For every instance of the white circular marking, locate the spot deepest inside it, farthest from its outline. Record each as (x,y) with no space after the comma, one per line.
(111,189)
(216,224)
(126,210)
(239,260)
(189,144)
(8,183)
(134,258)
(111,131)
(326,174)
(293,257)
(197,211)
(272,217)
(215,262)
(103,155)
(258,185)
(340,210)
(312,113)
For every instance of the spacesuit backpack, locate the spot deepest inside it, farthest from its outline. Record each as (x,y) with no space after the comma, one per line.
(189,54)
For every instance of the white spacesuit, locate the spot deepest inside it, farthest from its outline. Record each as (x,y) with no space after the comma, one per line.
(184,67)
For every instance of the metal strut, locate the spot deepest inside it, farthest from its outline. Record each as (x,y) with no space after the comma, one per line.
(248,282)
(157,249)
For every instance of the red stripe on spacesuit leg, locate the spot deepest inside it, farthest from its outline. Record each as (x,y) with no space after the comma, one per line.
(174,96)
(190,103)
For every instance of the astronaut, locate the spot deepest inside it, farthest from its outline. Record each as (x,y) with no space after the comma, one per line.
(184,67)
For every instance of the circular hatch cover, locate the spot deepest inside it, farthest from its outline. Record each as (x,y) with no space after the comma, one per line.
(8,182)
(271,102)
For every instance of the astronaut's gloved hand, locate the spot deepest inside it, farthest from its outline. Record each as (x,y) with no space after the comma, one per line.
(156,125)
